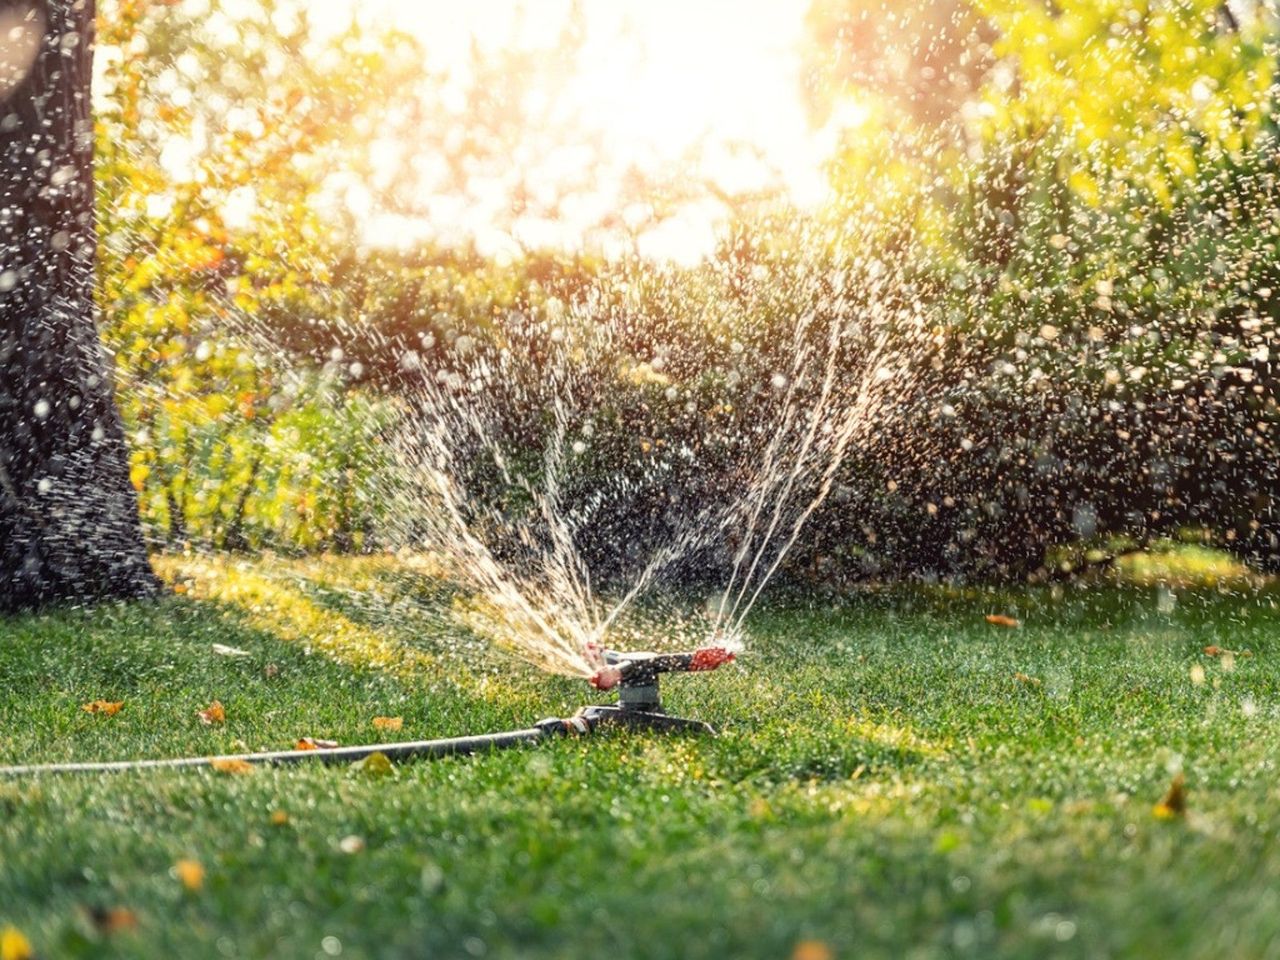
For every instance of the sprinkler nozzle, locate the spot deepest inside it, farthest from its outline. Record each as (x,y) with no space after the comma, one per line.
(642,669)
(606,678)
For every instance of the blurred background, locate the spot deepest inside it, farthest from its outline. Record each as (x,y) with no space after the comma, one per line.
(1074,201)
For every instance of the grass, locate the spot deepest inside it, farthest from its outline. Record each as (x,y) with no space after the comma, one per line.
(895,777)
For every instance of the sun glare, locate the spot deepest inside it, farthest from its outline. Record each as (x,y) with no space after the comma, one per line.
(702,98)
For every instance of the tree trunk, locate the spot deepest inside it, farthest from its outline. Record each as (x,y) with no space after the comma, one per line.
(69,527)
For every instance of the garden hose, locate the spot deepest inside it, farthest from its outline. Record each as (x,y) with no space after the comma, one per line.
(639,706)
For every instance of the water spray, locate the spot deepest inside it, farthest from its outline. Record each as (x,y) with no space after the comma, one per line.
(635,675)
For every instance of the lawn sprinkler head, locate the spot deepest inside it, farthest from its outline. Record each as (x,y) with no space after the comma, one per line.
(636,676)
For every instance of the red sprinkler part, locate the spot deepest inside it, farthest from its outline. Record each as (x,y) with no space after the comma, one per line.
(708,658)
(606,678)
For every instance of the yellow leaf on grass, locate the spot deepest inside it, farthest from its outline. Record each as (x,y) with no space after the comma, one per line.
(114,919)
(231,765)
(314,743)
(190,873)
(15,946)
(1000,620)
(1024,679)
(388,723)
(1174,804)
(108,707)
(279,818)
(214,713)
(812,950)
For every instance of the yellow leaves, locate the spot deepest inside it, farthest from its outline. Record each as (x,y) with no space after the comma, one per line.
(1086,187)
(1000,620)
(279,818)
(138,474)
(14,945)
(1174,804)
(1027,680)
(314,743)
(1213,650)
(231,765)
(212,714)
(190,873)
(388,723)
(114,919)
(812,950)
(106,707)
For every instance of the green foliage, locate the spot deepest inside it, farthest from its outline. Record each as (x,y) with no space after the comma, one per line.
(1095,217)
(1077,200)
(214,136)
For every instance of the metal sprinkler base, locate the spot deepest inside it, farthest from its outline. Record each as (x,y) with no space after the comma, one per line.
(616,715)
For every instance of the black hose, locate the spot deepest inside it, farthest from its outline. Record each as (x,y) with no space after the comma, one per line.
(453,746)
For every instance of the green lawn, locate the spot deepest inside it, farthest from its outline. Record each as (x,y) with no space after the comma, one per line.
(895,777)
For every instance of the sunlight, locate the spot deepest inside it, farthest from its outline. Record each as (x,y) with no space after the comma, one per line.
(705,98)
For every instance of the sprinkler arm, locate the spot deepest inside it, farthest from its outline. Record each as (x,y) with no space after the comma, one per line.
(641,669)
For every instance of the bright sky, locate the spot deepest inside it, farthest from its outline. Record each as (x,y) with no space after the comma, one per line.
(656,79)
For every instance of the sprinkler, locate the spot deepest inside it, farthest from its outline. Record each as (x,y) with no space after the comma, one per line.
(639,706)
(636,676)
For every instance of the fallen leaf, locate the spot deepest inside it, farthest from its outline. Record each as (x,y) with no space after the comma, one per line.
(1174,804)
(1213,650)
(15,946)
(108,707)
(113,919)
(388,723)
(179,588)
(376,764)
(214,713)
(351,844)
(271,671)
(312,743)
(812,950)
(231,765)
(1000,620)
(190,873)
(1029,681)
(222,650)
(279,818)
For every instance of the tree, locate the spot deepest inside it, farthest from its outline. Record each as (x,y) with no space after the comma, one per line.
(69,525)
